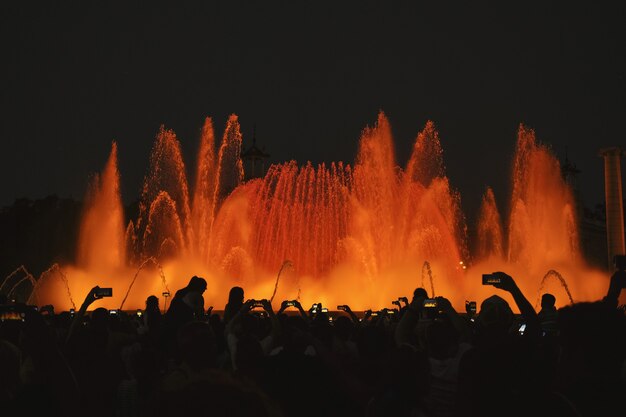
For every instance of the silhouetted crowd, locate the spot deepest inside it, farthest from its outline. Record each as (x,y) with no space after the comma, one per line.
(256,358)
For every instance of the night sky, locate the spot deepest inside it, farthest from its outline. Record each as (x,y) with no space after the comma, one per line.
(311,75)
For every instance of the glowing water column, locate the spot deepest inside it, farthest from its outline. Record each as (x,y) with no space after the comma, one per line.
(614,208)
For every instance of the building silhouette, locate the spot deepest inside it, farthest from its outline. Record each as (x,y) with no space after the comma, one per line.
(254,160)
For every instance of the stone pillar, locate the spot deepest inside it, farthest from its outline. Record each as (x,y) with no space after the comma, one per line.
(614,208)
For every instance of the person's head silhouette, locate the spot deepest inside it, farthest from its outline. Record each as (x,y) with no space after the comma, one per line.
(197,284)
(420,293)
(235,296)
(548,301)
(152,303)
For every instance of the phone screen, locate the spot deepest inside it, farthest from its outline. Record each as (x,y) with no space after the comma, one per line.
(430,303)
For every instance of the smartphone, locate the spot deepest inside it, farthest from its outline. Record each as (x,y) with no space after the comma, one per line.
(430,303)
(490,279)
(342,308)
(290,303)
(104,292)
(72,312)
(113,312)
(522,328)
(139,313)
(324,310)
(620,262)
(9,313)
(257,303)
(166,294)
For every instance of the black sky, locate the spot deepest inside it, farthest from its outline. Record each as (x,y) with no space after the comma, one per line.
(310,75)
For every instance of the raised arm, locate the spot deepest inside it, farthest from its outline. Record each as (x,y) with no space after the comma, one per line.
(353,316)
(408,321)
(92,296)
(303,313)
(507,283)
(275,334)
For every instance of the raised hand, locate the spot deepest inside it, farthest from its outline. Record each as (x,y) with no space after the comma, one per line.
(92,296)
(267,306)
(247,306)
(506,282)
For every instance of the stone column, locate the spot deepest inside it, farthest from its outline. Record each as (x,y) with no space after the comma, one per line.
(614,208)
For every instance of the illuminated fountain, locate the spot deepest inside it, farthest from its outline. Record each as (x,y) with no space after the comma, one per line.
(359,234)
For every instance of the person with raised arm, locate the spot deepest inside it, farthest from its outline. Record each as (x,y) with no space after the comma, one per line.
(350,313)
(445,307)
(294,303)
(589,378)
(500,368)
(404,332)
(93,295)
(236,329)
(529,315)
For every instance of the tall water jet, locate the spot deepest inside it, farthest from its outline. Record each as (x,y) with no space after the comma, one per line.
(163,228)
(296,215)
(229,166)
(426,162)
(429,195)
(428,272)
(165,174)
(375,187)
(101,242)
(489,242)
(203,206)
(542,225)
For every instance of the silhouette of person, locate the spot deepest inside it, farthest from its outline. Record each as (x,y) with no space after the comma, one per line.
(152,317)
(235,302)
(188,303)
(548,314)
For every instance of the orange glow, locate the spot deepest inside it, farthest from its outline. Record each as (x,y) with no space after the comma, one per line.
(361,235)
